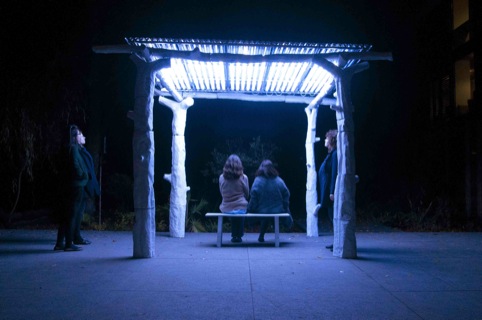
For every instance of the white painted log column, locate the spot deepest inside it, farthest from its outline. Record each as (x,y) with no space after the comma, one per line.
(177,177)
(144,231)
(344,220)
(311,174)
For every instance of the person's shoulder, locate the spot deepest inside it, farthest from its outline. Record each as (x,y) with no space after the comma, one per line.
(74,148)
(258,180)
(280,181)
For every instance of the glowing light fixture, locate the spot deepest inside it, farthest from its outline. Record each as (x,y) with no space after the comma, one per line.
(203,68)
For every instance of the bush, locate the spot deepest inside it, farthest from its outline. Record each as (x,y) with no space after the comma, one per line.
(414,212)
(251,154)
(117,195)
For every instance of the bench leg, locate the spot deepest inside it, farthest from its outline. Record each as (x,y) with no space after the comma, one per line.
(276,231)
(220,231)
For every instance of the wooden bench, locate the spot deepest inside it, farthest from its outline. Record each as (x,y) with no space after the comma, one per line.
(220,216)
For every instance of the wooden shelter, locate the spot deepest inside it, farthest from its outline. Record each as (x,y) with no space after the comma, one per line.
(177,71)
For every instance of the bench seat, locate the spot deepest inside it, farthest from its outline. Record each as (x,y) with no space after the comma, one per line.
(221,215)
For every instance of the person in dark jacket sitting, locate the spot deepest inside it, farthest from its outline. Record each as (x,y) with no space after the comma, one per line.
(269,194)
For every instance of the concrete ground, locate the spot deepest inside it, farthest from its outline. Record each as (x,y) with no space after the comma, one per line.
(397,276)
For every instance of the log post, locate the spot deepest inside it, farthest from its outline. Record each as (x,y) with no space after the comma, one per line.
(177,177)
(311,175)
(344,213)
(144,231)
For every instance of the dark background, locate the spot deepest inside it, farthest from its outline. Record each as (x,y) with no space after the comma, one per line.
(50,73)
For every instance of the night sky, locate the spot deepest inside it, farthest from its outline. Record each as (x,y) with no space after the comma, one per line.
(45,33)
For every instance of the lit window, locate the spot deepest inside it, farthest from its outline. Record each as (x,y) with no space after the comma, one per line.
(460,12)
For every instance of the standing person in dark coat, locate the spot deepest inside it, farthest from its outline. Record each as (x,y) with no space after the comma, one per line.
(327,176)
(82,174)
(234,188)
(92,188)
(269,194)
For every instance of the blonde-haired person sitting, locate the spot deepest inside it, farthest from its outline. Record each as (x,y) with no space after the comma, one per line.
(234,188)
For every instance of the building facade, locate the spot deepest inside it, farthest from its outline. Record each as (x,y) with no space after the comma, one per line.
(449,100)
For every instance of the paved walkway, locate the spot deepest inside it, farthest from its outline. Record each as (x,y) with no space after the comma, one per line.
(397,276)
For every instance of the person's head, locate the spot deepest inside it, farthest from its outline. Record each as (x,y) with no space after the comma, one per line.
(267,169)
(233,168)
(76,136)
(330,139)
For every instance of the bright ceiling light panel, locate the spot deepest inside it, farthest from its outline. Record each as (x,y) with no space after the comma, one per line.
(224,70)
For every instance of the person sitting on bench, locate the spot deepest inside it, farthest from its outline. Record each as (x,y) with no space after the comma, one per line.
(269,194)
(234,188)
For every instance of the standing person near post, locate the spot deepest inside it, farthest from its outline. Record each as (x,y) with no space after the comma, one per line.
(269,194)
(327,176)
(69,227)
(234,188)
(91,189)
